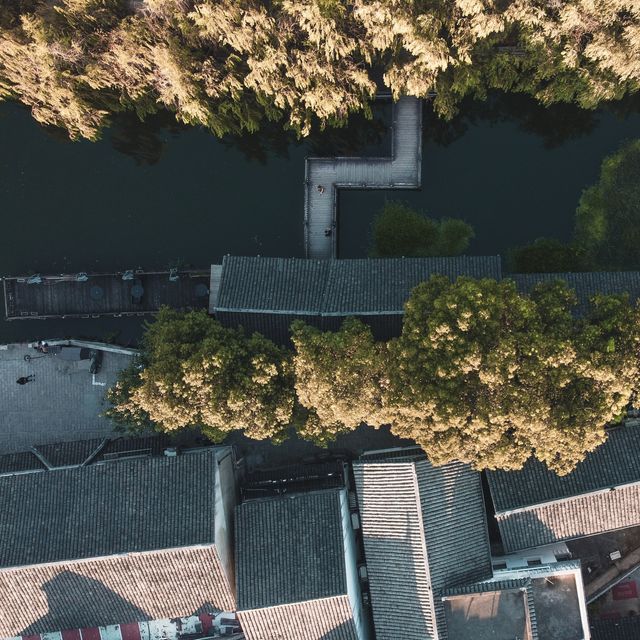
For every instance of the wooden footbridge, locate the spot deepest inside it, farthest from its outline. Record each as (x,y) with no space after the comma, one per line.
(324,176)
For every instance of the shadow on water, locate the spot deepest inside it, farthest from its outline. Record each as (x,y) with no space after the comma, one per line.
(554,125)
(362,137)
(145,140)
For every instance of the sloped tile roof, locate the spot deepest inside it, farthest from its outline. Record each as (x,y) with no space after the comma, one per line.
(61,454)
(20,462)
(107,508)
(620,629)
(324,619)
(336,287)
(383,285)
(487,587)
(424,530)
(272,284)
(586,284)
(577,517)
(535,506)
(98,592)
(289,549)
(612,464)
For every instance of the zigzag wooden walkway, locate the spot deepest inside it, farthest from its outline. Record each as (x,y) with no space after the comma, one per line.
(324,176)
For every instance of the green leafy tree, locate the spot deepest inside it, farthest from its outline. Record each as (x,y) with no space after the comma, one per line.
(229,65)
(547,255)
(608,216)
(401,231)
(198,373)
(340,378)
(488,376)
(126,415)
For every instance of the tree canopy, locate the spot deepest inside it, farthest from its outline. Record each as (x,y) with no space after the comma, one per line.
(340,378)
(608,216)
(489,376)
(547,255)
(228,65)
(197,373)
(480,373)
(606,232)
(399,230)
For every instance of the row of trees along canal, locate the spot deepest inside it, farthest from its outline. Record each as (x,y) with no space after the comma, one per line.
(230,65)
(480,373)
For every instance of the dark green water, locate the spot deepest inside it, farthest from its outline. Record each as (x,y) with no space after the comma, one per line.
(153,195)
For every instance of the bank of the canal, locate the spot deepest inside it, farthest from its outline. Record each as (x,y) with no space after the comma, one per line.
(153,196)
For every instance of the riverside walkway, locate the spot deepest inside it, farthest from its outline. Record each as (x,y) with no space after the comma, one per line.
(324,176)
(91,295)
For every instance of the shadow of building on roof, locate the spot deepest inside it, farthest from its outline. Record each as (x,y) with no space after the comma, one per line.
(77,601)
(74,599)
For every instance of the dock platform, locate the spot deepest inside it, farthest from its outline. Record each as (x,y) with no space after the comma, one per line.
(324,176)
(103,294)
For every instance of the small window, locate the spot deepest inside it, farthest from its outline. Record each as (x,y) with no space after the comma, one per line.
(499,566)
(536,562)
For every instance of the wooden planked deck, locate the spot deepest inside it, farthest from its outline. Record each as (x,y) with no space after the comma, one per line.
(401,171)
(105,294)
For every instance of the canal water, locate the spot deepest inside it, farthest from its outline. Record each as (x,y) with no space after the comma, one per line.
(156,194)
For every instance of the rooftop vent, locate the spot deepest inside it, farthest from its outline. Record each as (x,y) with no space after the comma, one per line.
(170,452)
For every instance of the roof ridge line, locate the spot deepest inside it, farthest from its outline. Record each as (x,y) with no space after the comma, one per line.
(423,539)
(103,558)
(42,458)
(575,496)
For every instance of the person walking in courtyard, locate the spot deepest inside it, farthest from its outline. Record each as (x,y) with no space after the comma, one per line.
(24,379)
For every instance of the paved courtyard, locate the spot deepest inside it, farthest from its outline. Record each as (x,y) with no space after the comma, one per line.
(61,404)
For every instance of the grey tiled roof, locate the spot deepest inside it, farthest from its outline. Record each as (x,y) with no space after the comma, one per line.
(104,591)
(70,453)
(289,550)
(272,284)
(535,506)
(487,587)
(324,619)
(571,518)
(340,287)
(612,464)
(586,284)
(82,452)
(19,463)
(620,629)
(384,284)
(424,530)
(107,508)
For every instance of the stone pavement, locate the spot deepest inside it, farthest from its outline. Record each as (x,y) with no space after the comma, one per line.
(62,403)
